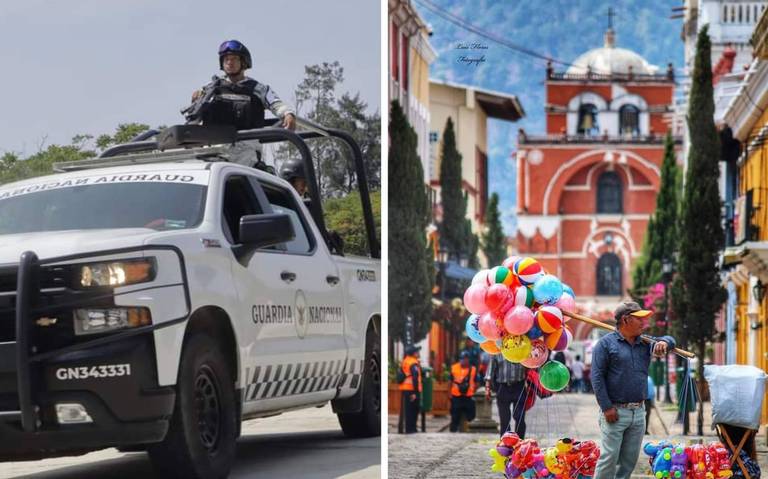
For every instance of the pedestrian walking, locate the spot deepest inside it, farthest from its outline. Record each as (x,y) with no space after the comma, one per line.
(508,382)
(463,387)
(620,379)
(577,373)
(411,387)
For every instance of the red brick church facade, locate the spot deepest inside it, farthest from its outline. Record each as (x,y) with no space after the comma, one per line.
(586,189)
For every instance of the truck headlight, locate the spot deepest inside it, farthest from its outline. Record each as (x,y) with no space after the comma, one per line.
(116,273)
(104,320)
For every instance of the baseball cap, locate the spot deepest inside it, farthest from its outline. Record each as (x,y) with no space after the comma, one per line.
(412,349)
(630,307)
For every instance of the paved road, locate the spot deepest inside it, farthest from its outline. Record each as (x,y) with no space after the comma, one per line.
(306,444)
(435,455)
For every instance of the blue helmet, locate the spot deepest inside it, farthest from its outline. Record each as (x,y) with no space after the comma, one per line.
(236,48)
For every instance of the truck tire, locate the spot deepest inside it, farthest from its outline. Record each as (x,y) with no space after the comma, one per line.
(367,422)
(201,437)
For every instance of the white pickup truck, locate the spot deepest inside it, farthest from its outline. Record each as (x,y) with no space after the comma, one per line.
(158,302)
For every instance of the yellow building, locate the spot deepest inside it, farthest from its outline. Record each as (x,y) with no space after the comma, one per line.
(745,184)
(410,55)
(469,108)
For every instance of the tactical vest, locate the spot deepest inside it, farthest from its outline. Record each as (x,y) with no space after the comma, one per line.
(236,104)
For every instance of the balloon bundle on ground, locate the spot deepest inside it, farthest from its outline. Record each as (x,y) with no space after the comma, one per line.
(517,312)
(698,461)
(515,457)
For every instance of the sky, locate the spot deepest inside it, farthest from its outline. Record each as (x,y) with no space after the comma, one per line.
(560,29)
(85,66)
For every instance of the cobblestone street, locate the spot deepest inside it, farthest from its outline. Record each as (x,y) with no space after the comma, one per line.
(443,454)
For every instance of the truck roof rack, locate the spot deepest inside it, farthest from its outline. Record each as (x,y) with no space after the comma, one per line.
(210,153)
(143,149)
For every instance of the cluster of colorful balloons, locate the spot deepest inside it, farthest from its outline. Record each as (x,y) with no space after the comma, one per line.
(515,457)
(698,461)
(517,312)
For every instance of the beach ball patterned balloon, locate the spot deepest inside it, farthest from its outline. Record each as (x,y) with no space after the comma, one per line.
(490,347)
(518,320)
(528,270)
(549,319)
(473,329)
(523,296)
(554,376)
(547,289)
(516,348)
(501,275)
(558,340)
(538,356)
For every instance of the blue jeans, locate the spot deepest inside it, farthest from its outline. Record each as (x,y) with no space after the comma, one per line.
(620,444)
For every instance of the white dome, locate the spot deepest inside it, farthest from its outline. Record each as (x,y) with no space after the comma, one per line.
(611,60)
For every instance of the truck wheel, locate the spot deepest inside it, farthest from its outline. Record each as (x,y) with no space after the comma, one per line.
(367,423)
(201,438)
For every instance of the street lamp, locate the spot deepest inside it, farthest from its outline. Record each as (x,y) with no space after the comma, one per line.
(442,258)
(666,269)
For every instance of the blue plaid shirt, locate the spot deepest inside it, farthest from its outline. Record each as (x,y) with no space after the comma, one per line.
(620,370)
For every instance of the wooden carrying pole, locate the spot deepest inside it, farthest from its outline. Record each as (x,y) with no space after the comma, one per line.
(600,324)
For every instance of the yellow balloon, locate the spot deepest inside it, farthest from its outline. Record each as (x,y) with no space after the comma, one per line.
(516,348)
(550,460)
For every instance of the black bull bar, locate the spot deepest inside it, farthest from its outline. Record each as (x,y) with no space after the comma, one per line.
(17,356)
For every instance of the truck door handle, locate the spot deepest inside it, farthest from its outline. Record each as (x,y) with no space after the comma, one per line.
(287,276)
(332,280)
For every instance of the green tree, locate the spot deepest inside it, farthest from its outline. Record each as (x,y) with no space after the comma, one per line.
(409,271)
(701,233)
(494,239)
(455,229)
(317,101)
(124,133)
(345,216)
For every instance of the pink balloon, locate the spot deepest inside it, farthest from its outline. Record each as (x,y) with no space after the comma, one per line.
(566,303)
(518,320)
(508,304)
(474,299)
(509,263)
(538,356)
(496,296)
(489,327)
(481,277)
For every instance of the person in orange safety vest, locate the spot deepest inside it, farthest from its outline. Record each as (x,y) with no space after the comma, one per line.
(462,389)
(411,387)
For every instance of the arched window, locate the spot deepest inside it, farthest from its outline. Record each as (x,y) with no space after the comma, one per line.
(629,120)
(609,194)
(588,120)
(609,275)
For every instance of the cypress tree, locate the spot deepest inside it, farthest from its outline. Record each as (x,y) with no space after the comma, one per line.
(701,236)
(494,240)
(410,270)
(453,232)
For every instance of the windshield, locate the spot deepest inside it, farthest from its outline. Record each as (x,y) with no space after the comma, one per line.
(156,205)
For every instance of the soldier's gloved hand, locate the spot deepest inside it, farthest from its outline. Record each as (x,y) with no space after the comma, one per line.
(289,121)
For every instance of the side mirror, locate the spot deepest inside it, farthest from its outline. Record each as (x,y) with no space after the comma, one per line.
(260,231)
